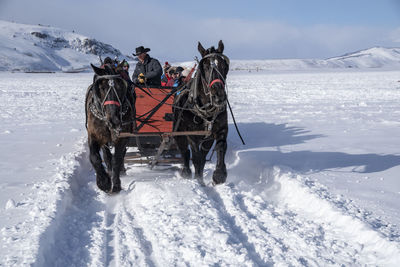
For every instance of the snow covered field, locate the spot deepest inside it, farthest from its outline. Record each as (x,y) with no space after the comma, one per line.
(317,183)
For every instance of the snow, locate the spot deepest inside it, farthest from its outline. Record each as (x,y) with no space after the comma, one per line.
(317,183)
(43,48)
(375,57)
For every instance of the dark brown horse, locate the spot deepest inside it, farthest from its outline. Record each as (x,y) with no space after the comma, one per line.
(109,111)
(203,107)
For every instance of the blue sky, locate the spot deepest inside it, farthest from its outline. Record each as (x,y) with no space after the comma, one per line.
(302,12)
(250,29)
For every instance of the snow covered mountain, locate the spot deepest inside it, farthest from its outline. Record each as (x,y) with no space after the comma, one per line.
(376,57)
(43,48)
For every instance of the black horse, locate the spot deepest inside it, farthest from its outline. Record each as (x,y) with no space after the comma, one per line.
(109,111)
(203,107)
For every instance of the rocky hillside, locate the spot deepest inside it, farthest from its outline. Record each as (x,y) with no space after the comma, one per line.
(44,48)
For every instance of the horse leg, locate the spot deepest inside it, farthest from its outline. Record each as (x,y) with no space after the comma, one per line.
(220,173)
(102,178)
(122,168)
(117,161)
(199,158)
(185,152)
(107,156)
(197,162)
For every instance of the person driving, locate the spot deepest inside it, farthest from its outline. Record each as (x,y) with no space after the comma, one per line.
(148,70)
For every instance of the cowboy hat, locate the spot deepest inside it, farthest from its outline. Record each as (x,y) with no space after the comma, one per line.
(140,50)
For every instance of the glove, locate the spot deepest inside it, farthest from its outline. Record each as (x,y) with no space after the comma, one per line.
(141,78)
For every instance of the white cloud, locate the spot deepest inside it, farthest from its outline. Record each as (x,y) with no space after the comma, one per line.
(255,39)
(173,35)
(395,35)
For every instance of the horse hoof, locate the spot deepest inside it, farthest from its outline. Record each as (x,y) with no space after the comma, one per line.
(186,173)
(219,177)
(116,189)
(201,181)
(104,186)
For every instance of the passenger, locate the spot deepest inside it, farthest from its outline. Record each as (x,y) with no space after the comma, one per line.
(176,78)
(107,62)
(165,77)
(125,73)
(166,67)
(171,71)
(179,70)
(148,70)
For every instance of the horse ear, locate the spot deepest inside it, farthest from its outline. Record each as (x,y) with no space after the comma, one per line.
(201,50)
(220,47)
(98,71)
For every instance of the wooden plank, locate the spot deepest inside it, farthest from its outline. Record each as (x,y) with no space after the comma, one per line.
(147,161)
(122,135)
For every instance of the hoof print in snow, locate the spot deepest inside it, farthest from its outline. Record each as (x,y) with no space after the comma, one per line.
(10,204)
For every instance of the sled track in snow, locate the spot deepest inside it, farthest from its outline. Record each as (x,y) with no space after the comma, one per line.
(161,219)
(75,233)
(290,234)
(129,244)
(91,228)
(236,231)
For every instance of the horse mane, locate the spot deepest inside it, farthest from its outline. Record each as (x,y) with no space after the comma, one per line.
(211,50)
(110,70)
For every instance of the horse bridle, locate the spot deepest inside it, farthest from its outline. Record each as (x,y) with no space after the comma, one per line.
(208,112)
(100,114)
(210,82)
(210,109)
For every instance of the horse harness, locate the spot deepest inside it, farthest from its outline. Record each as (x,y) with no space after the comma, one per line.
(209,111)
(96,105)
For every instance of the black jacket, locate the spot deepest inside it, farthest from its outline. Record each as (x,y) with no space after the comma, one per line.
(151,69)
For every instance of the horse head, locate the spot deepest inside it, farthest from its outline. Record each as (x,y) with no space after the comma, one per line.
(110,93)
(214,67)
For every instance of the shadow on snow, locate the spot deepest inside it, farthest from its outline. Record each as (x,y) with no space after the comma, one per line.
(256,155)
